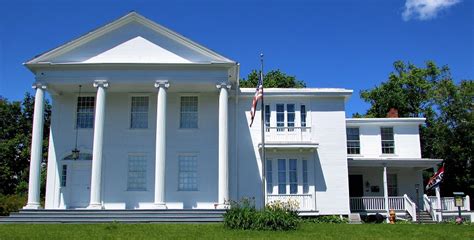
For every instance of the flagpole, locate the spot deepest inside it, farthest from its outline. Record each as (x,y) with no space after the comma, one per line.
(264,179)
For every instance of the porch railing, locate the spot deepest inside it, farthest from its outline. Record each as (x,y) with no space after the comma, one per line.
(376,203)
(447,203)
(410,207)
(305,201)
(288,134)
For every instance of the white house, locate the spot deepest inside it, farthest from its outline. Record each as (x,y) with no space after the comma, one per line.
(160,122)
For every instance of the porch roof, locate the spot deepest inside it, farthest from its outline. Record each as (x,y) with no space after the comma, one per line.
(421,163)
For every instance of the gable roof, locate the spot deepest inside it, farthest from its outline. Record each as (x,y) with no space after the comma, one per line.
(131,17)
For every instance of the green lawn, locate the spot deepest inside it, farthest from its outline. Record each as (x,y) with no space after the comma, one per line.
(217,231)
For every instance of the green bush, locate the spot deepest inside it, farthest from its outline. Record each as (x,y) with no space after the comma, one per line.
(11,203)
(276,216)
(333,219)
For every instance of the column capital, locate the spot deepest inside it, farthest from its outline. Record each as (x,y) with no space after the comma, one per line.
(37,85)
(162,84)
(101,83)
(225,85)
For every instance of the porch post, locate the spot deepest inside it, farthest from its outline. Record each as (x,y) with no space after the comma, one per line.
(439,206)
(160,147)
(385,190)
(96,175)
(223,179)
(36,149)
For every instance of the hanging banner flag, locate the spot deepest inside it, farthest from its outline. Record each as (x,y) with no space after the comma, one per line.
(436,179)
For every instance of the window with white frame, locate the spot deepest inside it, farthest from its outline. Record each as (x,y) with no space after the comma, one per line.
(280,117)
(267,117)
(392,184)
(189,112)
(293,176)
(353,140)
(305,176)
(137,165)
(64,176)
(290,116)
(281,176)
(139,112)
(303,115)
(85,112)
(187,176)
(388,141)
(269,176)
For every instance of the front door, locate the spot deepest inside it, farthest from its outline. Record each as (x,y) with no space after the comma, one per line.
(80,184)
(356,186)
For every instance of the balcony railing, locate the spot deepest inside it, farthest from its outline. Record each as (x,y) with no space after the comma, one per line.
(305,201)
(287,134)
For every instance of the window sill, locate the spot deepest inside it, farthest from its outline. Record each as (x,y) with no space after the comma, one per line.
(355,155)
(134,191)
(188,129)
(388,155)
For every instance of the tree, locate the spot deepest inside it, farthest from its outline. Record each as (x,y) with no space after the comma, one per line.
(16,119)
(273,79)
(448,133)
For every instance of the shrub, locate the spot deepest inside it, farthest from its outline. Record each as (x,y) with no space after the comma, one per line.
(374,218)
(333,219)
(276,216)
(11,203)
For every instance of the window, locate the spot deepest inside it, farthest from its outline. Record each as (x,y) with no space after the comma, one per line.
(64,176)
(290,116)
(189,112)
(139,112)
(353,141)
(388,142)
(187,176)
(392,184)
(293,177)
(85,112)
(137,166)
(280,111)
(267,117)
(269,176)
(303,115)
(281,176)
(305,177)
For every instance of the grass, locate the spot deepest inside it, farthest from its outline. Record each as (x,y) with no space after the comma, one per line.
(217,231)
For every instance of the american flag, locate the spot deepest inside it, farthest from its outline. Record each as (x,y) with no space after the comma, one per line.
(258,96)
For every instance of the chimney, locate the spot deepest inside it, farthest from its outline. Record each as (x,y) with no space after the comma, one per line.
(393,113)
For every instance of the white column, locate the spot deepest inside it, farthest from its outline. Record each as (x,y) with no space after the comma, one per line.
(223,179)
(385,190)
(36,149)
(96,176)
(437,191)
(160,150)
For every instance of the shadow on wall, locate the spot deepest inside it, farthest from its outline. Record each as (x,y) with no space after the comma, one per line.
(320,182)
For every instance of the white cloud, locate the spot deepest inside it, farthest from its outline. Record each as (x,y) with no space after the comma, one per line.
(425,9)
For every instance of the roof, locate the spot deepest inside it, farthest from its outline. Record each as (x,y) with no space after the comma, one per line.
(41,59)
(363,121)
(422,163)
(328,92)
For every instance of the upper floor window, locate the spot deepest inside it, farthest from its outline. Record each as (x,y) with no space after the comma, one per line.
(85,112)
(290,116)
(267,116)
(353,141)
(187,175)
(388,142)
(137,165)
(303,115)
(189,112)
(139,112)
(280,112)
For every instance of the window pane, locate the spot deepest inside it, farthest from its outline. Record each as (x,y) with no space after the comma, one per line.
(392,184)
(269,176)
(187,175)
(85,112)
(305,177)
(293,177)
(280,111)
(267,115)
(388,142)
(290,116)
(189,112)
(353,141)
(281,176)
(64,176)
(303,115)
(137,166)
(139,112)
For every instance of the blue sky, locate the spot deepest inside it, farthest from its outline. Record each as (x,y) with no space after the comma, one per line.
(338,43)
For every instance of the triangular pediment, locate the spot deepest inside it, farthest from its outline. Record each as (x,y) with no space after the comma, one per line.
(131,39)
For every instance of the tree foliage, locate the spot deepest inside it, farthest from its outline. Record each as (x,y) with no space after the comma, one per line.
(430,92)
(16,121)
(272,79)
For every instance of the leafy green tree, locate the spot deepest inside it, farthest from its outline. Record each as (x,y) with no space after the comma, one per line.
(272,79)
(16,120)
(448,133)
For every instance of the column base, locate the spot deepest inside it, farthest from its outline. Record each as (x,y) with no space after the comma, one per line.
(221,206)
(33,206)
(95,206)
(159,206)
